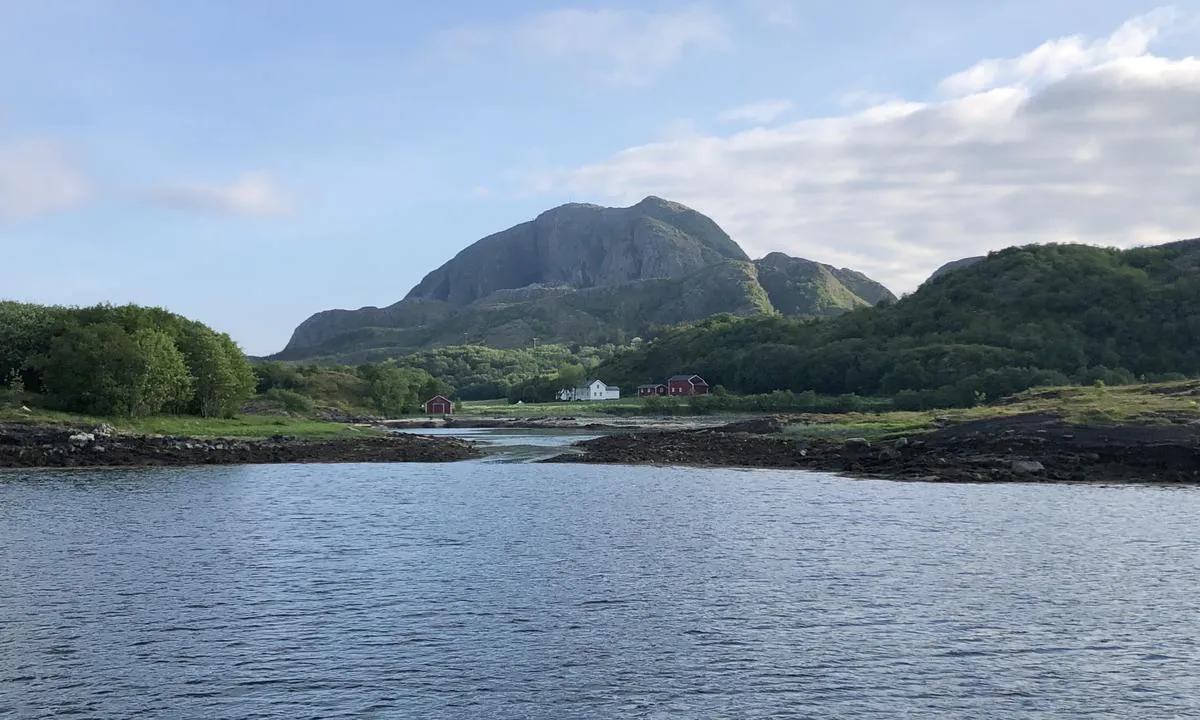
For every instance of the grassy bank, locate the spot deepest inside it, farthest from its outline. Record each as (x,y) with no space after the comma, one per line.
(1147,404)
(502,408)
(245,427)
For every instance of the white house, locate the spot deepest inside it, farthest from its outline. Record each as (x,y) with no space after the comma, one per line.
(591,390)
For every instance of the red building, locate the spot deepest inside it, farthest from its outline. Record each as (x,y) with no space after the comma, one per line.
(439,405)
(652,390)
(686,385)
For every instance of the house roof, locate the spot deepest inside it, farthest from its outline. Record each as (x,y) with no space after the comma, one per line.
(653,385)
(684,377)
(438,398)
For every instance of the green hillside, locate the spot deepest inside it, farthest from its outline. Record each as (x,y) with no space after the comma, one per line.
(1024,316)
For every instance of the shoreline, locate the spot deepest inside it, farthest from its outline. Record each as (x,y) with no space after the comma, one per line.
(1031,447)
(555,422)
(36,445)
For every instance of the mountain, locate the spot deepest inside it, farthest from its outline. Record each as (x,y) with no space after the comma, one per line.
(955,265)
(797,286)
(1020,317)
(585,274)
(583,246)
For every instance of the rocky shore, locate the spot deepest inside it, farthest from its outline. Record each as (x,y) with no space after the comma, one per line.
(549,422)
(1030,448)
(30,445)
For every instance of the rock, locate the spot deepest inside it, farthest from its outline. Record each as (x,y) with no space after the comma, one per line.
(857,443)
(82,438)
(901,443)
(889,454)
(104,431)
(1026,467)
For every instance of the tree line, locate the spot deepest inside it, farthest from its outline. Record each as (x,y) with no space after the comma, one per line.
(127,360)
(1024,317)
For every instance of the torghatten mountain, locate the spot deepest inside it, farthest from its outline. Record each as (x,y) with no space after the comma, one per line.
(586,274)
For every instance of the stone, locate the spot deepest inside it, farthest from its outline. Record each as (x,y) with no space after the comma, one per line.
(81,438)
(857,443)
(1027,466)
(104,431)
(901,443)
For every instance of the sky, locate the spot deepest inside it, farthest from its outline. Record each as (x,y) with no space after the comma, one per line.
(250,162)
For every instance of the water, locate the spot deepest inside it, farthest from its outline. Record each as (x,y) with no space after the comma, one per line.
(493,590)
(513,444)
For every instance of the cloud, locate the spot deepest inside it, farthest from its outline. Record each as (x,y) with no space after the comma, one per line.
(758,112)
(37,177)
(1103,149)
(617,47)
(252,194)
(775,12)
(1060,58)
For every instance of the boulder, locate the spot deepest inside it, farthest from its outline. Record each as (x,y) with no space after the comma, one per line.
(1027,467)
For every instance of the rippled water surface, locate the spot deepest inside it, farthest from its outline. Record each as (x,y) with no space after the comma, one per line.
(492,590)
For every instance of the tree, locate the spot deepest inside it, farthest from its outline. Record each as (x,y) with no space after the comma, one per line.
(223,378)
(98,369)
(163,382)
(571,375)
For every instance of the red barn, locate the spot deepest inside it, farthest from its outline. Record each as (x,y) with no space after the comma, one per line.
(439,405)
(686,385)
(652,390)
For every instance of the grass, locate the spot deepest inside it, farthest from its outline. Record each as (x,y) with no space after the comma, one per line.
(1147,404)
(501,407)
(245,426)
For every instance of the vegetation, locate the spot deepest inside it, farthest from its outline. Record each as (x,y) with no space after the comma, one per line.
(125,361)
(245,426)
(1139,404)
(1024,317)
(400,386)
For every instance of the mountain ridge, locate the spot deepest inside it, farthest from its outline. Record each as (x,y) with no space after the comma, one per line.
(586,274)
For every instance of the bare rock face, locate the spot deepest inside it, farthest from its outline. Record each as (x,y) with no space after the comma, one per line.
(582,273)
(583,246)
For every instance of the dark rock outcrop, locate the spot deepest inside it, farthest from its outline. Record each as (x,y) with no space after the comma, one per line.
(1021,448)
(31,445)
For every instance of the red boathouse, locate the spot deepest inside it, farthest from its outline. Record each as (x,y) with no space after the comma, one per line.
(439,405)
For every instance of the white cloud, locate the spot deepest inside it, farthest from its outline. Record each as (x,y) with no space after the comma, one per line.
(758,112)
(1104,150)
(1060,58)
(618,47)
(251,194)
(775,12)
(37,177)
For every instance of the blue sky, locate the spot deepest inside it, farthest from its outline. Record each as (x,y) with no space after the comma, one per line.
(250,162)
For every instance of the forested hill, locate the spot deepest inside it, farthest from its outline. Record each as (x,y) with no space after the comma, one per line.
(1020,317)
(126,360)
